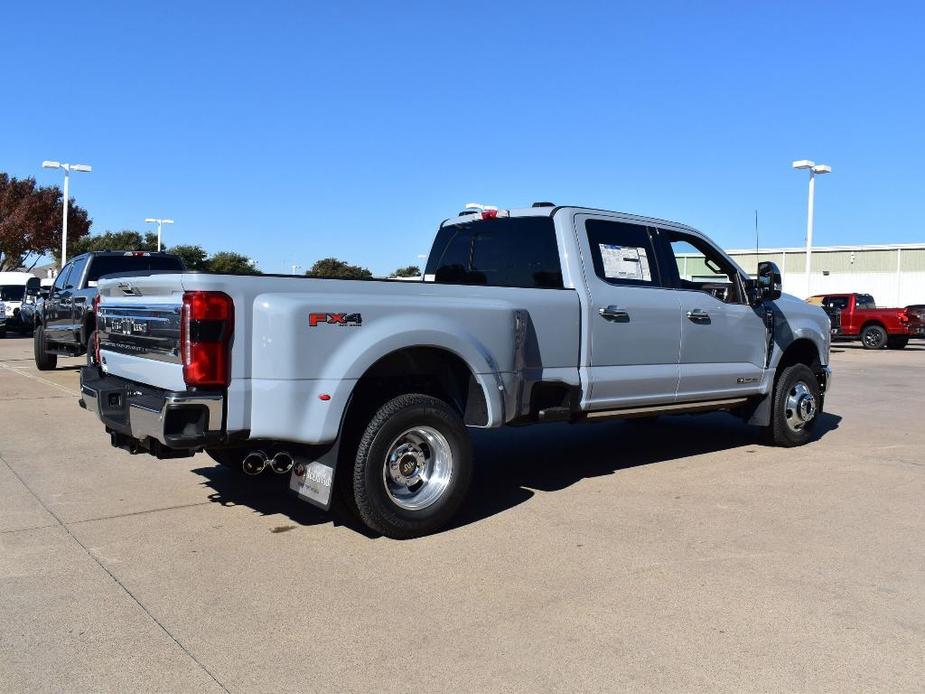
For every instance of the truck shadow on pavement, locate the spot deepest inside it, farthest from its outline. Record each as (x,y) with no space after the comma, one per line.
(512,464)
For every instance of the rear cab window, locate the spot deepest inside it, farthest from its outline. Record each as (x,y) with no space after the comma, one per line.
(864,301)
(103,265)
(498,252)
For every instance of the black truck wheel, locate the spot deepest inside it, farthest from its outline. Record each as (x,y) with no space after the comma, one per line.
(897,342)
(796,407)
(43,360)
(412,468)
(873,337)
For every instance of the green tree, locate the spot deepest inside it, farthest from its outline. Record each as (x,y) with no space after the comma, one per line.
(30,222)
(194,257)
(410,271)
(230,262)
(330,268)
(125,240)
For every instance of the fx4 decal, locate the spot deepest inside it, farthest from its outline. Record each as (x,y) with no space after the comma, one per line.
(351,319)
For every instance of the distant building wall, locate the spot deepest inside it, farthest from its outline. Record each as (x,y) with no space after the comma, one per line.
(893,274)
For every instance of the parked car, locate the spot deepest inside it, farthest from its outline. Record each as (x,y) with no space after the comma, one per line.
(65,321)
(860,319)
(13,286)
(525,316)
(2,320)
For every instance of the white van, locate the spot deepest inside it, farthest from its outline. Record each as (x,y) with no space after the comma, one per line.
(13,291)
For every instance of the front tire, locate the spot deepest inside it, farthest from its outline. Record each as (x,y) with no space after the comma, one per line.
(43,360)
(897,342)
(873,337)
(412,468)
(796,407)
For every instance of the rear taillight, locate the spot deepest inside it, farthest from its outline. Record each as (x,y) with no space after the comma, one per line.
(206,327)
(96,332)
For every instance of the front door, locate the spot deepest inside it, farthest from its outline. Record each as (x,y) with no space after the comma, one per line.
(58,305)
(724,340)
(633,329)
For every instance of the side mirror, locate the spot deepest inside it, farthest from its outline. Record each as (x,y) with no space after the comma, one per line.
(768,285)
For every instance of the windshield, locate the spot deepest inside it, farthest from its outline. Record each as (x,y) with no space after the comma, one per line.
(865,301)
(12,292)
(110,264)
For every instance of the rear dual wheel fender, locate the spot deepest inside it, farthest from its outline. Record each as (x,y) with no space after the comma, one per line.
(412,468)
(796,408)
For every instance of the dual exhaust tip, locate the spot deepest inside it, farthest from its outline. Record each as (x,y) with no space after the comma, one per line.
(256,462)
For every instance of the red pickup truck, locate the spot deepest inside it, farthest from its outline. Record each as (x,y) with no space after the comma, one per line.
(875,327)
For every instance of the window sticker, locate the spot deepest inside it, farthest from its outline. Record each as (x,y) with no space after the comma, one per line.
(625,262)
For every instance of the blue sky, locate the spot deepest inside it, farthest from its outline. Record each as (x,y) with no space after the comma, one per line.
(291,131)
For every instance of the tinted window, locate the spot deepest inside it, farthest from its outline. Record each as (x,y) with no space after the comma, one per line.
(77,270)
(865,301)
(621,253)
(103,265)
(12,292)
(837,302)
(506,252)
(62,277)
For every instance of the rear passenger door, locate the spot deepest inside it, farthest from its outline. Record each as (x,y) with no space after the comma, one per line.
(634,322)
(724,340)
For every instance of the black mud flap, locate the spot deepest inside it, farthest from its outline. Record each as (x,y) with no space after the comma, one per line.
(312,479)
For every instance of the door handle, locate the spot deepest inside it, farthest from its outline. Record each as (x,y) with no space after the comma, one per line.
(614,313)
(699,315)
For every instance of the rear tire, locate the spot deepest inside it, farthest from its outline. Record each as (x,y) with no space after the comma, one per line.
(873,337)
(412,468)
(43,360)
(897,342)
(796,407)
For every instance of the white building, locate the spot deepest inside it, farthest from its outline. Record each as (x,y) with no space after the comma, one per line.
(894,274)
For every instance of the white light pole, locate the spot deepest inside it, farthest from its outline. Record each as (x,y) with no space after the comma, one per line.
(814,169)
(152,220)
(83,168)
(295,268)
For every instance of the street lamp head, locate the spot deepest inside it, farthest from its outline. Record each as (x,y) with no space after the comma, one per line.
(166,221)
(822,169)
(83,168)
(804,164)
(150,220)
(51,164)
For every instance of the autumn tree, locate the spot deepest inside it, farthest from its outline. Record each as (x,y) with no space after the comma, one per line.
(30,222)
(331,268)
(410,271)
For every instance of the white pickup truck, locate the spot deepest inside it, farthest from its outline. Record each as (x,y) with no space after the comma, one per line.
(523,316)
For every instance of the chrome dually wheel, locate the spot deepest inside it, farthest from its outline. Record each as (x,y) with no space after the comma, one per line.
(412,467)
(418,468)
(800,406)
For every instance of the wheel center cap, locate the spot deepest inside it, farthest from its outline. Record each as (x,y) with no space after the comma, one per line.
(408,465)
(807,408)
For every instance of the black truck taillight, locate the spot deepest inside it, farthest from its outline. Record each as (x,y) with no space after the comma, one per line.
(206,327)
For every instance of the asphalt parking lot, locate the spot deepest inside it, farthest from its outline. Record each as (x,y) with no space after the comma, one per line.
(682,555)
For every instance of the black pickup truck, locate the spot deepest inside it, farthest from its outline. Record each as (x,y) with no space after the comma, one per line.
(64,321)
